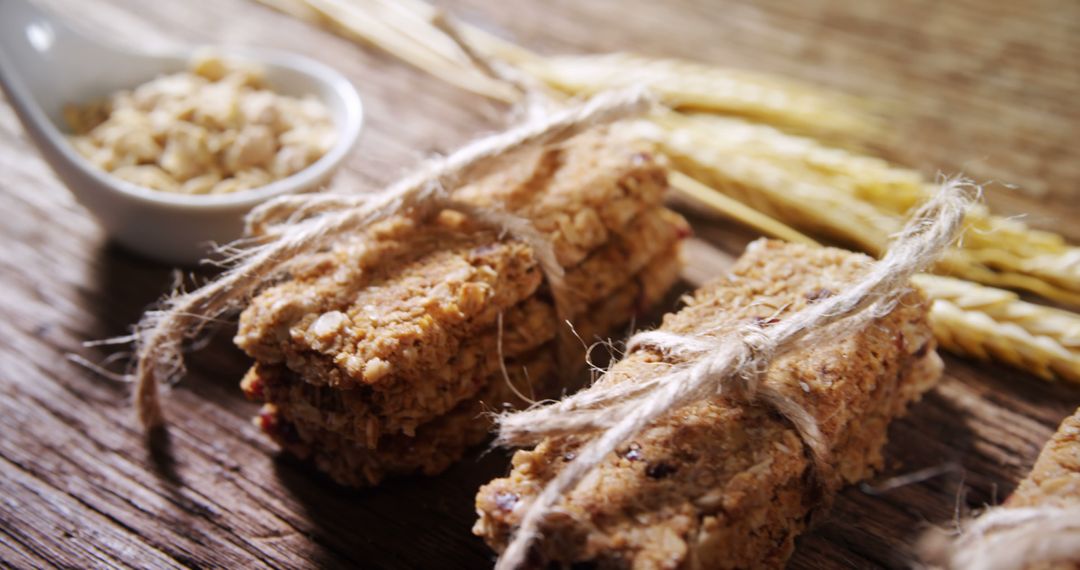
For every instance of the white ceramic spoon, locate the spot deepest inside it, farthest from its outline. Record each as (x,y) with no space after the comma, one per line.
(44,65)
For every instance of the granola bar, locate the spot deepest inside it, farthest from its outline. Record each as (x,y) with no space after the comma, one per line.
(399,306)
(577,192)
(318,347)
(720,484)
(1055,479)
(440,442)
(434,447)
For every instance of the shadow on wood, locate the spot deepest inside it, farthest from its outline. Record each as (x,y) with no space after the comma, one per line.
(399,524)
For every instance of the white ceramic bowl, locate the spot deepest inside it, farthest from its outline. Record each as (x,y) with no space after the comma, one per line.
(45,65)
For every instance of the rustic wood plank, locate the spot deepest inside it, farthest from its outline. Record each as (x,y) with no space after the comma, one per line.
(984,87)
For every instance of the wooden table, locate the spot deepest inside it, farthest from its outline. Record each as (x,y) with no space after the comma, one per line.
(989,88)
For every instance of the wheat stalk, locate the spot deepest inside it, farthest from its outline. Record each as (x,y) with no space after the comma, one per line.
(402,32)
(405,29)
(989,323)
(712,155)
(858,200)
(686,85)
(701,196)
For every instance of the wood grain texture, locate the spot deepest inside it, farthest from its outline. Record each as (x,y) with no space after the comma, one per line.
(986,87)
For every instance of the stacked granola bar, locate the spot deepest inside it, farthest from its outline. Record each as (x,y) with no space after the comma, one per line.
(722,484)
(380,356)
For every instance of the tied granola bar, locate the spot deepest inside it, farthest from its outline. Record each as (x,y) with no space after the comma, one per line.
(380,339)
(718,484)
(372,313)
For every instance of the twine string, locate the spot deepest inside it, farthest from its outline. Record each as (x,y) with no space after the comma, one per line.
(1006,538)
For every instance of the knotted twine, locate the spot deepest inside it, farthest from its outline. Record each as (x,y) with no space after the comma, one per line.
(733,365)
(1006,538)
(292,226)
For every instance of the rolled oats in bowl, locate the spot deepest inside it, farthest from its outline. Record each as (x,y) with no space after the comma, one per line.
(214,129)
